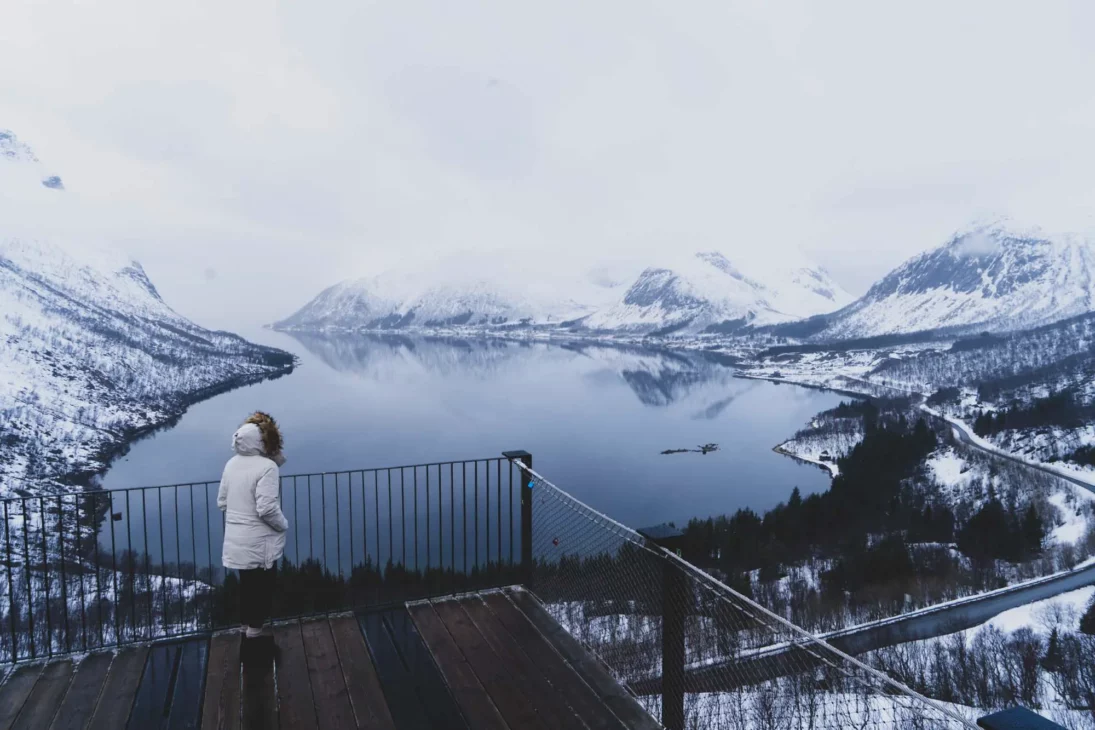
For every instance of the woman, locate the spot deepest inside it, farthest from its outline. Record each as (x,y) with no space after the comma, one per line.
(254,526)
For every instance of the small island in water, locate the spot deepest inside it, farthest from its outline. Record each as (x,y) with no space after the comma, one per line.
(705,449)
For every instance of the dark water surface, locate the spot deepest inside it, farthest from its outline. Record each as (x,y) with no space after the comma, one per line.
(594,417)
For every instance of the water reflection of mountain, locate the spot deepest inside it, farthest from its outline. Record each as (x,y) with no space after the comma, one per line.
(658,378)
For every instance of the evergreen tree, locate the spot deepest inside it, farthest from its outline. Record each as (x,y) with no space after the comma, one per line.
(1087,623)
(1051,662)
(1033,531)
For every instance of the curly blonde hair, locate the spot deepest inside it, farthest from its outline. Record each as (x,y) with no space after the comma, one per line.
(271,434)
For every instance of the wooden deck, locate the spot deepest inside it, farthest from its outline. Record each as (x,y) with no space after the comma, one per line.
(494,660)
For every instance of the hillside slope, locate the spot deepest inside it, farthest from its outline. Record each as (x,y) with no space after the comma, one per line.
(991,278)
(91,356)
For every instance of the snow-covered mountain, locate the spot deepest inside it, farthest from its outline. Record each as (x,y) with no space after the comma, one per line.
(994,277)
(707,292)
(474,290)
(91,354)
(692,293)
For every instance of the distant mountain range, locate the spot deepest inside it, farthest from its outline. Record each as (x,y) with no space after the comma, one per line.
(91,355)
(994,277)
(704,292)
(989,278)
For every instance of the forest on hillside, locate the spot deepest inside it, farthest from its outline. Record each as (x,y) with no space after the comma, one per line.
(890,535)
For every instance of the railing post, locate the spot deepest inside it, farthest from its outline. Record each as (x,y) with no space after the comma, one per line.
(526,513)
(675,600)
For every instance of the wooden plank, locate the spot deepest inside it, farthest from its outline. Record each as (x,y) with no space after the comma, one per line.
(14,693)
(45,698)
(260,694)
(400,689)
(366,695)
(503,688)
(186,695)
(434,695)
(579,695)
(328,683)
(478,708)
(296,705)
(83,693)
(119,690)
(548,702)
(221,709)
(150,706)
(622,704)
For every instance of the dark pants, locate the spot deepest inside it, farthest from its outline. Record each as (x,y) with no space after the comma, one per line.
(256,596)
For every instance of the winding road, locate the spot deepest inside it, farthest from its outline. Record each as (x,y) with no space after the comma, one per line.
(964,435)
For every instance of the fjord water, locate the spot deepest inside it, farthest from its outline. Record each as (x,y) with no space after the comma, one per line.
(596,419)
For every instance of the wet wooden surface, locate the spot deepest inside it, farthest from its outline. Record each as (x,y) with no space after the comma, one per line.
(493,661)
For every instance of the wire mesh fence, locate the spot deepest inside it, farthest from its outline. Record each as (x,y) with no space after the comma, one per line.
(694,652)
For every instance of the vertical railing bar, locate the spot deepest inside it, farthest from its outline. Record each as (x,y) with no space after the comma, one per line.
(415,470)
(209,543)
(147,556)
(132,567)
(178,564)
(440,528)
(338,528)
(429,557)
(11,588)
(163,568)
(440,525)
(391,525)
(114,575)
(403,513)
(45,574)
(476,463)
(452,522)
(486,516)
(98,579)
(80,566)
(376,512)
(296,525)
(64,572)
(364,529)
(30,587)
(498,490)
(464,513)
(323,511)
(311,541)
(350,490)
(193,553)
(511,513)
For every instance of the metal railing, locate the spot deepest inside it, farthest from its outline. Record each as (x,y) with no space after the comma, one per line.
(694,652)
(98,569)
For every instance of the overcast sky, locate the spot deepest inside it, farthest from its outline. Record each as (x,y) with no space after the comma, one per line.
(250,153)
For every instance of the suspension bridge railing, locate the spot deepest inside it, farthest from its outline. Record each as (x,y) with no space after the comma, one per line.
(693,651)
(97,569)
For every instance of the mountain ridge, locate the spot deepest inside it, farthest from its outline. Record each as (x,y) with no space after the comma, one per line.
(993,277)
(687,294)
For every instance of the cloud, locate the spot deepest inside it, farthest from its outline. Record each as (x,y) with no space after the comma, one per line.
(288,146)
(975,244)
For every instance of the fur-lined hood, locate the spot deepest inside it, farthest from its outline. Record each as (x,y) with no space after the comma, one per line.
(259,436)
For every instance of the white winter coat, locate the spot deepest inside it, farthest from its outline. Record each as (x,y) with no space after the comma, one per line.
(254,529)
